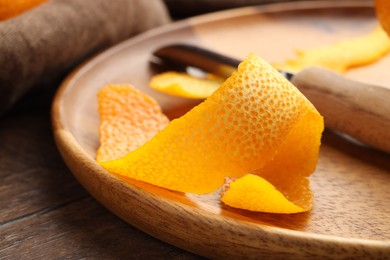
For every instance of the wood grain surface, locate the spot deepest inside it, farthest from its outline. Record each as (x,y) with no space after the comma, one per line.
(44,211)
(351,214)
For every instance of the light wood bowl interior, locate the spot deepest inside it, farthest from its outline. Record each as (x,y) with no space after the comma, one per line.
(351,214)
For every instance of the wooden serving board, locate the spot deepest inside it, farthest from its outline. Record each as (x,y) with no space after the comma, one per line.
(351,214)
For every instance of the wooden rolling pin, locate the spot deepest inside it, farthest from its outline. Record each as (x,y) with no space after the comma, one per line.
(359,110)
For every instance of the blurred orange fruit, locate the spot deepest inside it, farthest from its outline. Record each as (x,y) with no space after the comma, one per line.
(382,8)
(11,8)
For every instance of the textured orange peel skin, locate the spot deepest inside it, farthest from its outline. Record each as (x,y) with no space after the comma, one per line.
(253,123)
(128,118)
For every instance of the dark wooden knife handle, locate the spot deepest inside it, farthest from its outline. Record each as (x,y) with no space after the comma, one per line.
(357,109)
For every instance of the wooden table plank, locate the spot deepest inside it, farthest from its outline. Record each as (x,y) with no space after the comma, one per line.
(33,176)
(81,229)
(46,214)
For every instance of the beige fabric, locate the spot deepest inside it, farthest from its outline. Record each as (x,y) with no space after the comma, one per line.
(46,42)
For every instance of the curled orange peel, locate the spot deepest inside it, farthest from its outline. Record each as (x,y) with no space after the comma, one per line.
(255,122)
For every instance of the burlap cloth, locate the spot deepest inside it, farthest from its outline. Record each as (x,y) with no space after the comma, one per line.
(39,47)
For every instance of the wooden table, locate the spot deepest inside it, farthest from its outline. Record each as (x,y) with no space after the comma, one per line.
(45,213)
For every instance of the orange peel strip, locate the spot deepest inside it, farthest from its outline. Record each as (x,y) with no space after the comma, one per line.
(246,125)
(128,118)
(184,85)
(342,55)
(254,193)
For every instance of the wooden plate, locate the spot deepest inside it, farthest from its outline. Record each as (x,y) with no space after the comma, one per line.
(351,215)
